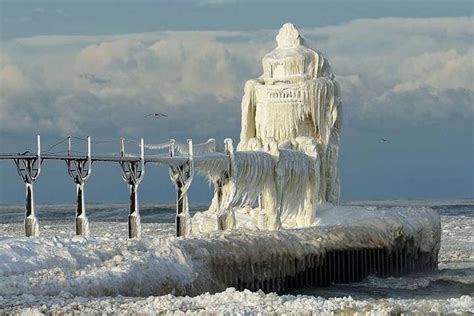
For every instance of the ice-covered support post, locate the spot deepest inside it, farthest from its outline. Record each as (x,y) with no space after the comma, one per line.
(80,170)
(225,217)
(212,144)
(28,169)
(182,176)
(133,172)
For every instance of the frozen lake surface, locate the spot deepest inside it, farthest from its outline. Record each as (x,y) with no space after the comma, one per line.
(109,260)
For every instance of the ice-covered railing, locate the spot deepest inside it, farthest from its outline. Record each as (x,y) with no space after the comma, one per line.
(198,149)
(278,185)
(281,183)
(181,159)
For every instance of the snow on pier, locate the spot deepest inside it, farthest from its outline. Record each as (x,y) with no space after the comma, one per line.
(387,242)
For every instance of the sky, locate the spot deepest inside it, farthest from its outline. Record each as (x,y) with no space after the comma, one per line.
(98,67)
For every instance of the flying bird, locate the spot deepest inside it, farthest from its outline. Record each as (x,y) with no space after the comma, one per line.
(383,140)
(24,153)
(156,114)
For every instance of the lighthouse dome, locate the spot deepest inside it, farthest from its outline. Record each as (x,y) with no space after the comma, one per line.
(291,61)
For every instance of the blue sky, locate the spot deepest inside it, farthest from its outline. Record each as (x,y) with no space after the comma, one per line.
(97,67)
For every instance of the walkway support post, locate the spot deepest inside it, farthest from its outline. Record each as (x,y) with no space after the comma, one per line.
(182,176)
(225,216)
(28,169)
(80,170)
(133,172)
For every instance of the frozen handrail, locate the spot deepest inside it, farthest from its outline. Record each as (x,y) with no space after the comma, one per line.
(183,164)
(159,146)
(199,149)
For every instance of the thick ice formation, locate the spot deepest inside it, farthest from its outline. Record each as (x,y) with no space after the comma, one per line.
(108,263)
(289,143)
(211,262)
(296,96)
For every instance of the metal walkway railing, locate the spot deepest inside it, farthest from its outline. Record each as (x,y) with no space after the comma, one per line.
(180,160)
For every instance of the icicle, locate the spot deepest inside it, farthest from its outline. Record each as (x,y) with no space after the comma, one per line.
(165,145)
(248,113)
(293,180)
(251,171)
(199,149)
(212,166)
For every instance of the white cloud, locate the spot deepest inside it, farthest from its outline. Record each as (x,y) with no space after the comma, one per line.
(12,79)
(439,70)
(98,57)
(406,68)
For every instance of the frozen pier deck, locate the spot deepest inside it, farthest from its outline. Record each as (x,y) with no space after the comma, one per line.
(350,244)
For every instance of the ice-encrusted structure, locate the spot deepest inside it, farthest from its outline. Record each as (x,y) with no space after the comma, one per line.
(286,162)
(348,244)
(284,170)
(296,100)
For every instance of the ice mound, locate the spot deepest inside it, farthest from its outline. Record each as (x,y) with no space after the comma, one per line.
(107,266)
(92,266)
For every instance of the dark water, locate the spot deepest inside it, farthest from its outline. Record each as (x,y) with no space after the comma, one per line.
(166,213)
(10,214)
(455,210)
(445,283)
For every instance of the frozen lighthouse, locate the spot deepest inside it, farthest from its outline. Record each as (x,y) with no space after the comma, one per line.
(275,209)
(296,103)
(286,161)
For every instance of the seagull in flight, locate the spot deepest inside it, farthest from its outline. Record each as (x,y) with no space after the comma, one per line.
(383,140)
(156,114)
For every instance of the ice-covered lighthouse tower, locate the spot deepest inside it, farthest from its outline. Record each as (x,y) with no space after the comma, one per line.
(296,104)
(286,161)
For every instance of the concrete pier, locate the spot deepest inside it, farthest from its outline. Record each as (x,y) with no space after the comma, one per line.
(285,260)
(319,270)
